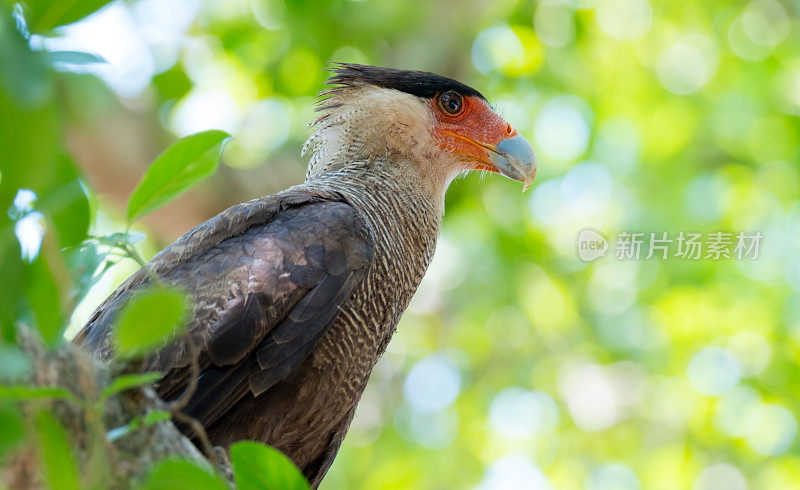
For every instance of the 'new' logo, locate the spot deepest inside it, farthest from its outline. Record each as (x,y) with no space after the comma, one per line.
(591,245)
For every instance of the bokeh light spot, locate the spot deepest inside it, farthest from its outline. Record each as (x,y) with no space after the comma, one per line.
(766,22)
(685,66)
(517,413)
(271,14)
(752,350)
(590,397)
(205,109)
(624,19)
(497,48)
(30,232)
(111,33)
(432,384)
(742,44)
(720,476)
(612,476)
(771,429)
(514,471)
(264,128)
(554,22)
(508,327)
(562,128)
(617,145)
(435,430)
(705,197)
(788,90)
(733,408)
(714,370)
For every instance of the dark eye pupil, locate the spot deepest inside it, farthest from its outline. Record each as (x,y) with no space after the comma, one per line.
(451,102)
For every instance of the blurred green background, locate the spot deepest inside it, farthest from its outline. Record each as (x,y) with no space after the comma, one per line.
(517,365)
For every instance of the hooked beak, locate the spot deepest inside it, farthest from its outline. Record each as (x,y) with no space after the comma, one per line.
(514,157)
(488,141)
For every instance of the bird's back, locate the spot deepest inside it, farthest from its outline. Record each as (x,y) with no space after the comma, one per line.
(329,265)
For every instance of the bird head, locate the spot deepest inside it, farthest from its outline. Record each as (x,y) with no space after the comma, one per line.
(438,125)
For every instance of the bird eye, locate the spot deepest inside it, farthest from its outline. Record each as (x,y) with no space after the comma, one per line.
(451,102)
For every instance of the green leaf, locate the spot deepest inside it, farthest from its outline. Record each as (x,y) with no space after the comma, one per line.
(260,467)
(83,263)
(24,73)
(172,83)
(178,474)
(11,270)
(155,417)
(128,381)
(74,57)
(65,201)
(23,392)
(185,163)
(11,429)
(149,321)
(59,464)
(43,293)
(43,15)
(46,282)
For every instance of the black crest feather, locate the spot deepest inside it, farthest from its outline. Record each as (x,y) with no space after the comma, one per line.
(419,83)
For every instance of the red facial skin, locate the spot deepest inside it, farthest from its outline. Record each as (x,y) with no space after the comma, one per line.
(474,131)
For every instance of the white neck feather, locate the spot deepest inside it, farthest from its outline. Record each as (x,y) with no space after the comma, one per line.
(372,124)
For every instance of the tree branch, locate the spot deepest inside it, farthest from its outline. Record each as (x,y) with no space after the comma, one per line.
(127,458)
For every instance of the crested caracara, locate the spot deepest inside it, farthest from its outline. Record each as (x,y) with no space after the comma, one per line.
(296,295)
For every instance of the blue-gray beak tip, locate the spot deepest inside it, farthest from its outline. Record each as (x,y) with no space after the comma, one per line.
(514,157)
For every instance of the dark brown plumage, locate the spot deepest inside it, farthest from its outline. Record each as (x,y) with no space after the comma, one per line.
(296,295)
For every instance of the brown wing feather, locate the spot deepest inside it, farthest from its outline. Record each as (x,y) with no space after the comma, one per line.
(230,223)
(263,297)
